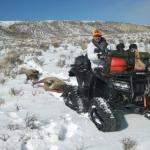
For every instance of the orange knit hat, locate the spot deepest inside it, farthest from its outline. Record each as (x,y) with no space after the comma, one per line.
(96,32)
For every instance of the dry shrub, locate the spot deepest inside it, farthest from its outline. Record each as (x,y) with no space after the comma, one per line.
(35,93)
(7,70)
(129,144)
(14,126)
(131,41)
(17,107)
(13,58)
(62,61)
(4,137)
(2,81)
(2,101)
(56,44)
(39,61)
(31,121)
(16,92)
(9,63)
(44,46)
(39,53)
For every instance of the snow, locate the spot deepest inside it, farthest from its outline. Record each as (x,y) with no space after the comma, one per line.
(8,23)
(35,119)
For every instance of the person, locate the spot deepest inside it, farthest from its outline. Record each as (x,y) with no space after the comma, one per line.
(97,49)
(120,47)
(139,65)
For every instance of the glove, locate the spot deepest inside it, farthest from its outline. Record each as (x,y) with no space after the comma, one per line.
(96,50)
(72,72)
(100,55)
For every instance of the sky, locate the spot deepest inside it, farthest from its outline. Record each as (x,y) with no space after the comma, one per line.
(129,11)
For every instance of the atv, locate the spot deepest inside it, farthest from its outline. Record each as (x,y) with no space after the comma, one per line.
(106,93)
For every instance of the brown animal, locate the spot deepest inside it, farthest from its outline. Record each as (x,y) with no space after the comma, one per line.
(31,74)
(139,65)
(52,84)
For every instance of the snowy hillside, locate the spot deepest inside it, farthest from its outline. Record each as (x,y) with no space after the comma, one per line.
(34,119)
(34,35)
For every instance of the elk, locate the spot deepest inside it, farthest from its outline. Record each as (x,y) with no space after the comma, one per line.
(52,84)
(31,74)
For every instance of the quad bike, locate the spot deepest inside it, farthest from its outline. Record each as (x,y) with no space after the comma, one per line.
(105,93)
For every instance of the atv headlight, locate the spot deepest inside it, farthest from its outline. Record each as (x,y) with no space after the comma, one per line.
(121,85)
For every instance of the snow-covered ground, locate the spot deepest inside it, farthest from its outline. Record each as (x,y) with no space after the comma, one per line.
(34,119)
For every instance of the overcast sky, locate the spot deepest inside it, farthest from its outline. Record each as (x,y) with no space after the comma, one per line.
(131,11)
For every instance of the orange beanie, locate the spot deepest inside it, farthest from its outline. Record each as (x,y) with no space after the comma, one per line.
(97,32)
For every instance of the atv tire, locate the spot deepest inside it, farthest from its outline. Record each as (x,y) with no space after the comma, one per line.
(74,100)
(105,119)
